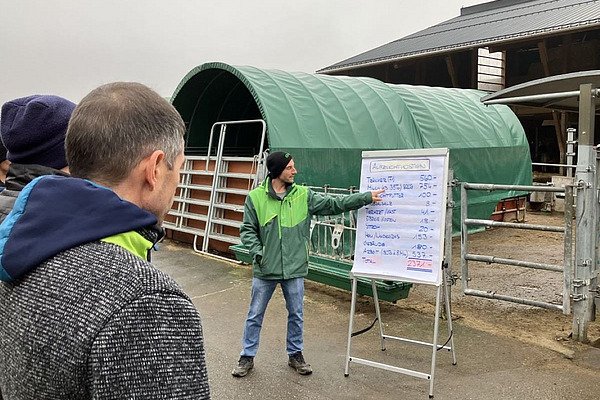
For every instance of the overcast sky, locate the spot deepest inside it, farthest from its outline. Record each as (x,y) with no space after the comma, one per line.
(68,47)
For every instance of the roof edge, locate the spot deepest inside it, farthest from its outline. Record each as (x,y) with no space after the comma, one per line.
(504,93)
(490,5)
(465,45)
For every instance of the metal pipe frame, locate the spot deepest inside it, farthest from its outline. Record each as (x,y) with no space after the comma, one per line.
(448,239)
(327,189)
(436,326)
(516,263)
(466,256)
(532,227)
(434,346)
(378,313)
(464,232)
(416,342)
(183,206)
(186,185)
(225,123)
(260,151)
(322,223)
(568,249)
(508,211)
(387,367)
(555,165)
(322,227)
(210,139)
(443,287)
(351,325)
(585,273)
(524,99)
(491,187)
(213,191)
(512,299)
(225,158)
(446,286)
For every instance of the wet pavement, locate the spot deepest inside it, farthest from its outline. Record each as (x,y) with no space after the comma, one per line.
(488,366)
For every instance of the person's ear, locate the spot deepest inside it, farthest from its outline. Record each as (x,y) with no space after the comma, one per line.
(152,170)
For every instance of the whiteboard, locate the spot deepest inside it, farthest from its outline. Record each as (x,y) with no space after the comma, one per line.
(402,237)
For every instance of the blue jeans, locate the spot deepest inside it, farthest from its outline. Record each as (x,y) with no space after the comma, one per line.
(262,290)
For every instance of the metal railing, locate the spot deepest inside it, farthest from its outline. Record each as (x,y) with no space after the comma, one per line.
(185,200)
(566,230)
(553,165)
(333,236)
(214,220)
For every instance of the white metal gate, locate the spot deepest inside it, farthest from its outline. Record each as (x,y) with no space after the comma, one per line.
(214,220)
(566,230)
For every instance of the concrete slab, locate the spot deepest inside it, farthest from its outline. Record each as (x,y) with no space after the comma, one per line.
(489,366)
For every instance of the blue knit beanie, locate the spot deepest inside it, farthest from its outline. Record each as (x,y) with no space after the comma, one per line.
(33,130)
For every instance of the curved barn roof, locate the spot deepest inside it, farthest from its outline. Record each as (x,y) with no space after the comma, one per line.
(306,109)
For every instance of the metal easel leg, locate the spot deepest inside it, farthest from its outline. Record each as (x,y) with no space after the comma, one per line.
(351,325)
(449,315)
(436,325)
(378,313)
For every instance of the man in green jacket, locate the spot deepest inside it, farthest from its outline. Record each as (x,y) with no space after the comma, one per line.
(276,231)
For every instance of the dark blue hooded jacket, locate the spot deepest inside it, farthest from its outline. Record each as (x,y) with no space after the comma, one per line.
(55,213)
(83,314)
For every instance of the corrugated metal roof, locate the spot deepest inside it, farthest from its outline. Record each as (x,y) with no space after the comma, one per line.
(497,21)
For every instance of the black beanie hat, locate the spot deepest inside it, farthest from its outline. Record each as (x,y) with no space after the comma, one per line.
(276,163)
(33,130)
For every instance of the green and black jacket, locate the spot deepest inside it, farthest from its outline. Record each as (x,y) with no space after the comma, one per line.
(276,232)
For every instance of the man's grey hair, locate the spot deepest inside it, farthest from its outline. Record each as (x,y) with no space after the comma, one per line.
(116,126)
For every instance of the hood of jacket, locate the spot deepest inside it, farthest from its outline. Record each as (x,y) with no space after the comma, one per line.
(56,213)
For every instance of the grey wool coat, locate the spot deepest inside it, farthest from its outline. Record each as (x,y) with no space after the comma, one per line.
(94,320)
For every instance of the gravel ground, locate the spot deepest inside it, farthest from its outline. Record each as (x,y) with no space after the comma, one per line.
(548,328)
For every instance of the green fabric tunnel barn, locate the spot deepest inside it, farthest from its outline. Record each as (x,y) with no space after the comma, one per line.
(325,122)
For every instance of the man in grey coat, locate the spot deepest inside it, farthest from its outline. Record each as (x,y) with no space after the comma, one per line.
(84,313)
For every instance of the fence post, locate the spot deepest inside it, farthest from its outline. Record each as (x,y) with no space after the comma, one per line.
(584,279)
(464,233)
(448,237)
(568,250)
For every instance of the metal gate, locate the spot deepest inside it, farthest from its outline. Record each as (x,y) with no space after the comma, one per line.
(566,230)
(201,207)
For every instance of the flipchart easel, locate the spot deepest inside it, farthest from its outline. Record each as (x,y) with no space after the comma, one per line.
(402,238)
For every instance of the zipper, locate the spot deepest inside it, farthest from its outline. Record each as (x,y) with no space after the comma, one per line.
(279,218)
(280,239)
(161,235)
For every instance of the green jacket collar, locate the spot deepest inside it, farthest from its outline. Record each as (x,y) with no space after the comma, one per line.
(271,192)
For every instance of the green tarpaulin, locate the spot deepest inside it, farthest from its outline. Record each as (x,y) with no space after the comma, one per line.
(325,122)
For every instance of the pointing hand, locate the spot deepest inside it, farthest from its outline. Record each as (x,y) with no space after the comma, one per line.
(375,195)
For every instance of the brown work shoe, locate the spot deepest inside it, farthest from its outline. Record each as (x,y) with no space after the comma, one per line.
(297,362)
(245,364)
